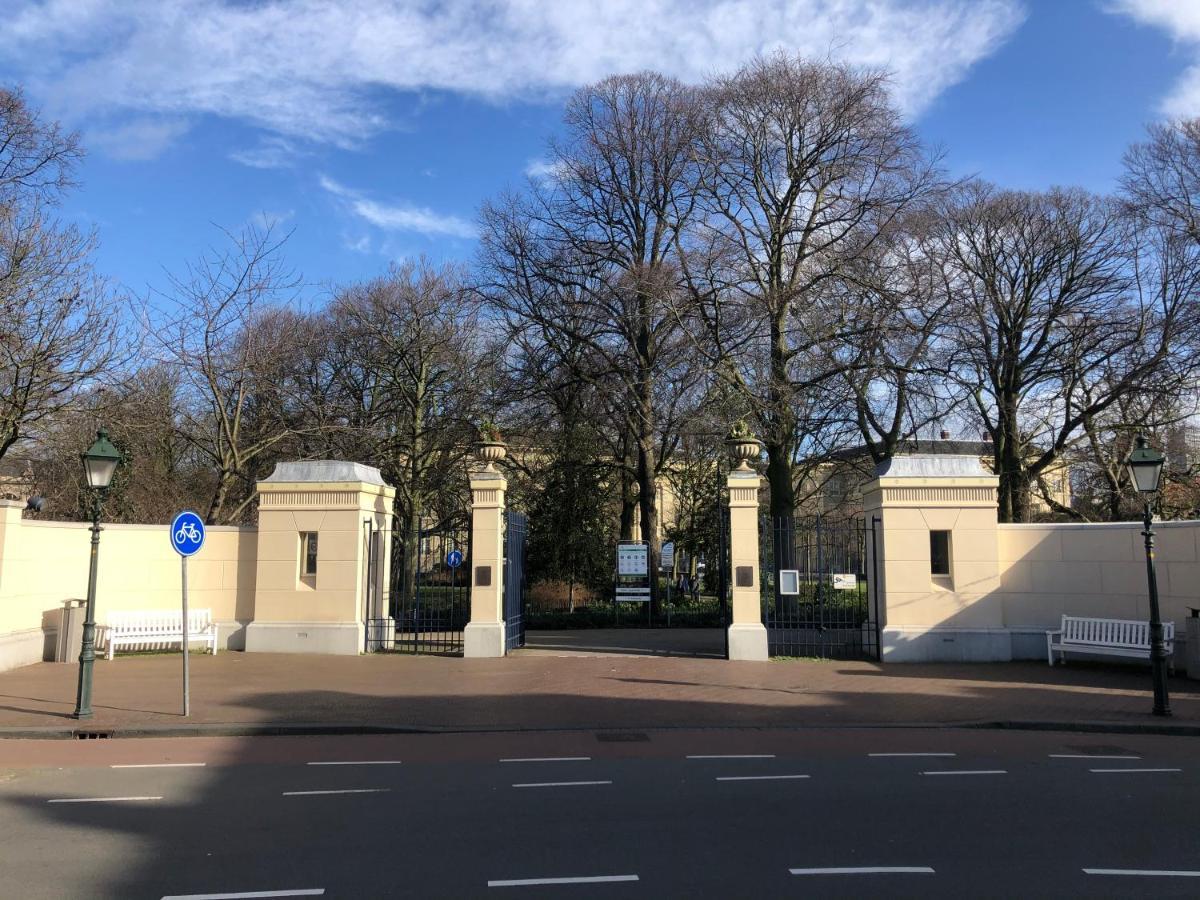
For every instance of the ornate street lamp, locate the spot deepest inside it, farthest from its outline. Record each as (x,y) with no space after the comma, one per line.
(99,463)
(1145,466)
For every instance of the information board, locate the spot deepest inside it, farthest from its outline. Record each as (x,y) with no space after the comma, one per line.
(845,582)
(633,559)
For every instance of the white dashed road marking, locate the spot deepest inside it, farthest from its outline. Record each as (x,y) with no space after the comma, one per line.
(967,772)
(250,895)
(358,762)
(1165,873)
(866,870)
(548,759)
(559,784)
(736,756)
(157,765)
(911,754)
(1115,771)
(103,799)
(349,791)
(759,777)
(583,879)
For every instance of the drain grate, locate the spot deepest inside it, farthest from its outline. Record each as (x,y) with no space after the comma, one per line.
(92,735)
(622,737)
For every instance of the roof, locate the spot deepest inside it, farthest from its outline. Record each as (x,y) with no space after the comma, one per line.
(326,471)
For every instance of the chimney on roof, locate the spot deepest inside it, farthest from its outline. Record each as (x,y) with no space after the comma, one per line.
(945,435)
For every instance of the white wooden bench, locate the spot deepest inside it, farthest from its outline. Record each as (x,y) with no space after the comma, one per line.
(140,629)
(1112,637)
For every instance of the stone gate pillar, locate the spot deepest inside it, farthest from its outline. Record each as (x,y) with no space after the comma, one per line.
(484,634)
(747,634)
(935,560)
(311,588)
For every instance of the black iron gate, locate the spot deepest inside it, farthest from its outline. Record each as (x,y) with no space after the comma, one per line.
(816,595)
(430,598)
(516,531)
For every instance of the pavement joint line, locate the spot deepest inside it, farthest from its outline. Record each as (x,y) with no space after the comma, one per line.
(535,784)
(528,759)
(357,762)
(966,772)
(760,777)
(910,754)
(343,791)
(866,870)
(250,895)
(102,799)
(1168,873)
(157,765)
(1093,756)
(1115,771)
(580,879)
(732,756)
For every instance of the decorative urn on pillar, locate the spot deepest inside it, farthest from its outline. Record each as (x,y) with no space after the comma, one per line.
(490,446)
(743,445)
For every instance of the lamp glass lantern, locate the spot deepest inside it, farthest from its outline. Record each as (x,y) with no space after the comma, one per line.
(100,461)
(1145,466)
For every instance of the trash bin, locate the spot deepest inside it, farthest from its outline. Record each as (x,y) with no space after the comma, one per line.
(70,631)
(1192,661)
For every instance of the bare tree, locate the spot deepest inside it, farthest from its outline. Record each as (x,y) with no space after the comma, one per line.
(1058,319)
(412,378)
(229,336)
(806,163)
(60,323)
(590,254)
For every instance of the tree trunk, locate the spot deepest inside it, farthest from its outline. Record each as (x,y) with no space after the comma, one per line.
(217,506)
(628,505)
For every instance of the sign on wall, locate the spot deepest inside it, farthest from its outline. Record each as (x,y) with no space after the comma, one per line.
(845,582)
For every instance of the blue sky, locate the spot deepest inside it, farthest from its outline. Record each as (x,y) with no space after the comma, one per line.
(375,128)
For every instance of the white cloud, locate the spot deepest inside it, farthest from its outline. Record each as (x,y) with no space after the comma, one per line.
(314,69)
(271,152)
(398,216)
(136,139)
(1181,20)
(539,169)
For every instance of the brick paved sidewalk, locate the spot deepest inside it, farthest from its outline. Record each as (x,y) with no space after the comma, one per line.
(238,690)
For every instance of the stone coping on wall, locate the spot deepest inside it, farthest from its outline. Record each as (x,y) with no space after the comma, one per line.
(1083,526)
(123,526)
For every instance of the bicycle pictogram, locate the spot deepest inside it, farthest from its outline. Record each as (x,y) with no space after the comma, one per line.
(188,532)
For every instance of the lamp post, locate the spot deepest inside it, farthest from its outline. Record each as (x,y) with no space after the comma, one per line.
(1145,466)
(99,464)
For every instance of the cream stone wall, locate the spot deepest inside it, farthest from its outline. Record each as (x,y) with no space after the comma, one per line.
(43,564)
(1047,571)
(1008,584)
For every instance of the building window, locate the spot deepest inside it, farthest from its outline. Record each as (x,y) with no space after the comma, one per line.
(308,553)
(939,552)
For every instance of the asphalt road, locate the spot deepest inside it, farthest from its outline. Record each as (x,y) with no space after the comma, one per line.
(719,813)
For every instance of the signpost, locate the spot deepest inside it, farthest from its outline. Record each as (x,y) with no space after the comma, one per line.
(187,537)
(633,574)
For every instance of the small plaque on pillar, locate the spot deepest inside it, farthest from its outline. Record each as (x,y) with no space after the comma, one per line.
(743,576)
(483,576)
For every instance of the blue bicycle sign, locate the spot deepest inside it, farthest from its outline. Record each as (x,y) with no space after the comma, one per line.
(187,533)
(454,559)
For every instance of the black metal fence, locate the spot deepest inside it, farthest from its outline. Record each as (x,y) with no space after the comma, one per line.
(816,597)
(516,534)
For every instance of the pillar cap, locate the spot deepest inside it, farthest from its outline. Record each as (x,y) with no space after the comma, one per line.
(931,466)
(325,471)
